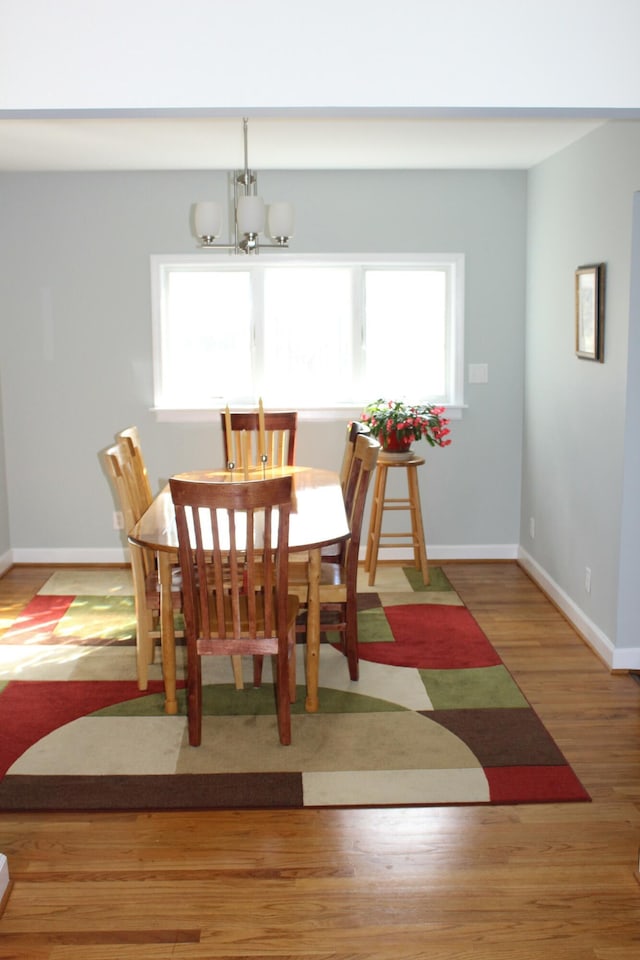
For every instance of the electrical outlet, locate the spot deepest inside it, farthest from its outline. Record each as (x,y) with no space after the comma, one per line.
(587,579)
(532,528)
(118,520)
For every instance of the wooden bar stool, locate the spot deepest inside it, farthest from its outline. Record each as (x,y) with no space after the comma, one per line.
(415,538)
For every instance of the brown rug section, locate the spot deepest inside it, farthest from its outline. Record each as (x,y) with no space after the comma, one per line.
(184,792)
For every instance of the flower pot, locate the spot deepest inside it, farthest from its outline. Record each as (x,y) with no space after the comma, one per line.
(392,443)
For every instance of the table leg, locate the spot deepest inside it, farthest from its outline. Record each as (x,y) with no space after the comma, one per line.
(313,631)
(167,631)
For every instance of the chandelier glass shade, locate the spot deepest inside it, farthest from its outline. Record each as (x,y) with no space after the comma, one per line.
(251,216)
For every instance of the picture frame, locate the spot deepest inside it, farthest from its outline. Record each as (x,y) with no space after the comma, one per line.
(589,296)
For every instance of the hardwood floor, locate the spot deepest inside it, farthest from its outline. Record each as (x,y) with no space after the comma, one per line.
(459,883)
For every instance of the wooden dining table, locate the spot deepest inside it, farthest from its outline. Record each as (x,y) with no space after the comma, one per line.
(318,518)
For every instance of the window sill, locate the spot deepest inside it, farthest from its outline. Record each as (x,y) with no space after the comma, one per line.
(305,414)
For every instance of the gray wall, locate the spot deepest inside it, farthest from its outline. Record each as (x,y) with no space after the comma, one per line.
(76,338)
(5,543)
(575,447)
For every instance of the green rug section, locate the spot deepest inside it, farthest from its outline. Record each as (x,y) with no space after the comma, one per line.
(437,580)
(105,618)
(373,627)
(223,700)
(470,688)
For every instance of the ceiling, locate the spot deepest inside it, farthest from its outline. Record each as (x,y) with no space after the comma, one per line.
(185,143)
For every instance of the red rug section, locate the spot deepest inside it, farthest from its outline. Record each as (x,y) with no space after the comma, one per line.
(432,637)
(554,784)
(33,709)
(40,616)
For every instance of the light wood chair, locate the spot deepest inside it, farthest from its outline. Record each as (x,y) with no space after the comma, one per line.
(126,466)
(354,430)
(280,438)
(129,442)
(143,565)
(236,597)
(339,576)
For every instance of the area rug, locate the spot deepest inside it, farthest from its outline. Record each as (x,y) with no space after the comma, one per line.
(435,718)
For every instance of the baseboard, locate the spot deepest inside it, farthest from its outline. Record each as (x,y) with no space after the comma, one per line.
(6,560)
(71,556)
(615,658)
(81,555)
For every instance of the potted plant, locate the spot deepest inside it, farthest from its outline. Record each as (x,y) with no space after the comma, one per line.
(396,424)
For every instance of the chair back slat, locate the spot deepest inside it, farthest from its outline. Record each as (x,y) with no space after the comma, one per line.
(129,442)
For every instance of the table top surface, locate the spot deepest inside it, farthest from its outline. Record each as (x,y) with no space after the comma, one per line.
(317,518)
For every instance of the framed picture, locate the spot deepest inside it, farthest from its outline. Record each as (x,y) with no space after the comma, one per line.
(590,312)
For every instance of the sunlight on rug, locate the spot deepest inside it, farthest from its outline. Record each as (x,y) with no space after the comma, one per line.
(435,718)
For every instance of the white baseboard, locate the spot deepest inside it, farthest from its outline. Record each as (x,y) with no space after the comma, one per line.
(79,555)
(71,555)
(626,658)
(6,560)
(486,551)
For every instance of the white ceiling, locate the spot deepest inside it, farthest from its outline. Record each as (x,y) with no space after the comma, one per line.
(283,143)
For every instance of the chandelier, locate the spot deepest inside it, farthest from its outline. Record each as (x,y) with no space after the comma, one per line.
(250,214)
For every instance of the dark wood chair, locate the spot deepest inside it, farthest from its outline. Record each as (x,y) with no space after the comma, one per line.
(339,576)
(280,429)
(235,592)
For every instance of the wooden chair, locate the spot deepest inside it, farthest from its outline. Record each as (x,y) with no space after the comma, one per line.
(354,430)
(236,598)
(339,577)
(143,565)
(140,496)
(129,442)
(280,438)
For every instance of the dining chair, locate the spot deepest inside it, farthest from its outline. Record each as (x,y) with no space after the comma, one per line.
(339,577)
(129,442)
(146,588)
(236,597)
(333,551)
(243,445)
(354,429)
(140,497)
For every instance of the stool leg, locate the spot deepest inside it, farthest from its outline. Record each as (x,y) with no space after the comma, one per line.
(417,528)
(373,544)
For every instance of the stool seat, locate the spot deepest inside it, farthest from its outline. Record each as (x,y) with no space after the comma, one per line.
(415,538)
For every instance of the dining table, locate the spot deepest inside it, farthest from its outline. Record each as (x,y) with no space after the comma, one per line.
(318,518)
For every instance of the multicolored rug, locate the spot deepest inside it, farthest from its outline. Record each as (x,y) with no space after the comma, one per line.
(435,718)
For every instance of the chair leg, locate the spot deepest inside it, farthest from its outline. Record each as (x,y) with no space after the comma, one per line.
(283,701)
(236,663)
(257,670)
(293,691)
(351,641)
(194,696)
(144,648)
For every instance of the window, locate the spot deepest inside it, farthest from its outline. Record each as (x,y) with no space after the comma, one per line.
(310,333)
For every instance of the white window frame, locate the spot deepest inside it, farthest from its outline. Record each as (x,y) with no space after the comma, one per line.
(453,262)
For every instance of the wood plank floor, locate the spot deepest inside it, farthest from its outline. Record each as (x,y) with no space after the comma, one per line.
(461,883)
